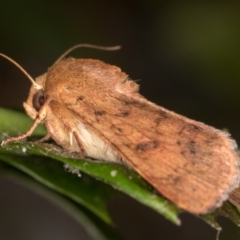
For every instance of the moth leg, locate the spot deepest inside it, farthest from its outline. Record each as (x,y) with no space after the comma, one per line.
(43,139)
(41,115)
(78,141)
(73,133)
(21,137)
(71,138)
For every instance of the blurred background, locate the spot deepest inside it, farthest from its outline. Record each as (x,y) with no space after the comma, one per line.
(186,57)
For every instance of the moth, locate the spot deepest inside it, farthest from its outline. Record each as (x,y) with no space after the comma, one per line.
(96,110)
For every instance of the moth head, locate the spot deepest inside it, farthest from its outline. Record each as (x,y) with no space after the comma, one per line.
(36,97)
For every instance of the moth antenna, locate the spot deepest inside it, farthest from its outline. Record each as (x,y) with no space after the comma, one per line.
(113,48)
(22,70)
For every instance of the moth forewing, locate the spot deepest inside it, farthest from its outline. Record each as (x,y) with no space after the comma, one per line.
(190,163)
(93,108)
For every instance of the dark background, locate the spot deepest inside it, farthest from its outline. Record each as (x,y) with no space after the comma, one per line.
(186,56)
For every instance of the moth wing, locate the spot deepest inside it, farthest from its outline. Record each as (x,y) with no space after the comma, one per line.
(190,163)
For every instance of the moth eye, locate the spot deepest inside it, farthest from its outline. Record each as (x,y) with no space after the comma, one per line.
(38,100)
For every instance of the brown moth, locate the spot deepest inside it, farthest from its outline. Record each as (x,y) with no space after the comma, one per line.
(95,109)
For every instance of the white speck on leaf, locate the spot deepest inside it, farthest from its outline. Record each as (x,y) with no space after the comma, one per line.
(24,149)
(72,170)
(113,173)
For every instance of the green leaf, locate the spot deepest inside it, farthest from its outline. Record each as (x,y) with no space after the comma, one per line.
(35,162)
